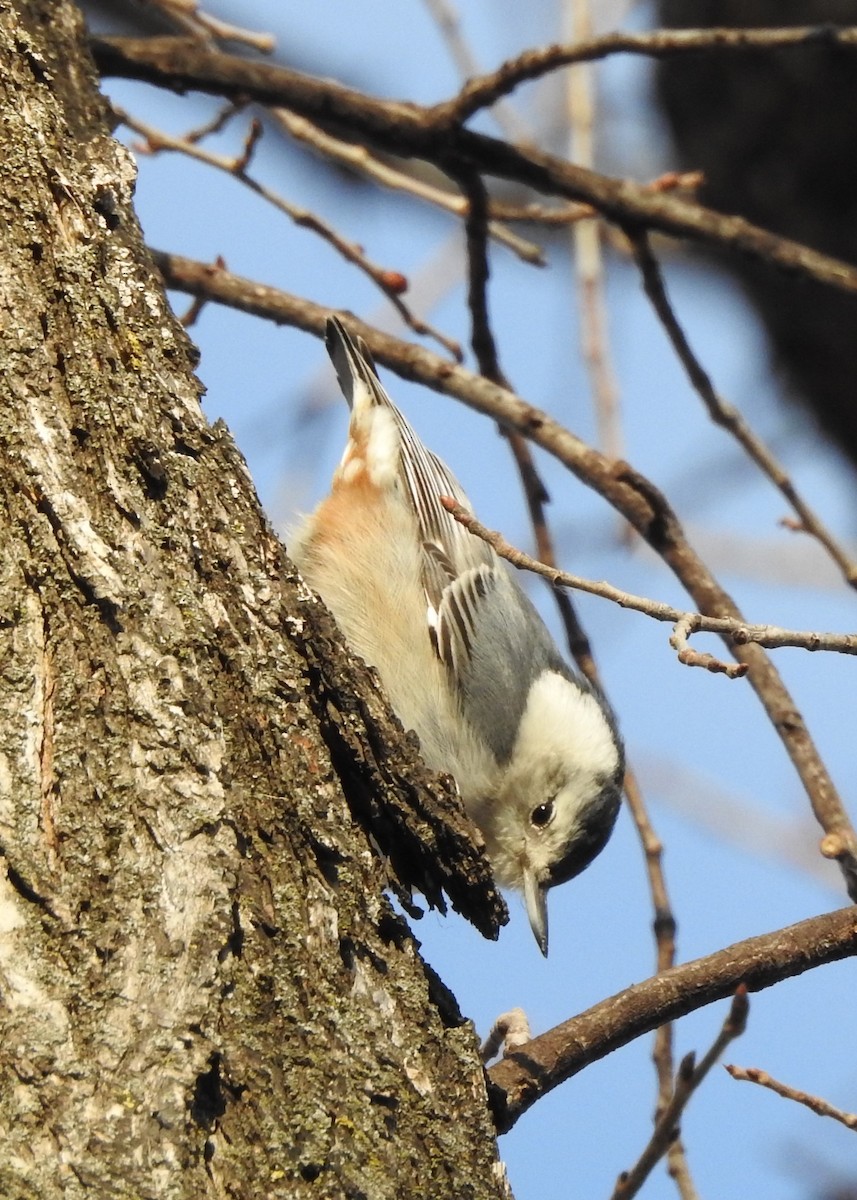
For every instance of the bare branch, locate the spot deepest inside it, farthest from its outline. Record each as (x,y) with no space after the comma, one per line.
(391,283)
(486,352)
(531,64)
(686,182)
(217,123)
(726,415)
(815,1103)
(186,14)
(449,24)
(678,1169)
(664,925)
(485,349)
(478,270)
(534,489)
(739,632)
(359,159)
(435,135)
(522,1078)
(586,249)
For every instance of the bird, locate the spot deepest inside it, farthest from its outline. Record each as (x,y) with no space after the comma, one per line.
(461,651)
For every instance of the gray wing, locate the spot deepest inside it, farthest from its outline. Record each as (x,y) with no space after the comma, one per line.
(483,627)
(504,647)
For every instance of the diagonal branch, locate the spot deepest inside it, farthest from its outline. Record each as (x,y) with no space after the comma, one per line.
(358,158)
(521,1078)
(726,415)
(476,227)
(690,1075)
(390,282)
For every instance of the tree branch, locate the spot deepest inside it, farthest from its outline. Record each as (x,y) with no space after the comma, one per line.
(358,158)
(688,623)
(523,1077)
(391,283)
(410,130)
(486,89)
(815,1103)
(726,415)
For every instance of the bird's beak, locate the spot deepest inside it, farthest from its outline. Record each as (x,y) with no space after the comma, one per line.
(536,901)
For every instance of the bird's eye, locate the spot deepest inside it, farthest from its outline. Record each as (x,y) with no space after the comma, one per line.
(542,815)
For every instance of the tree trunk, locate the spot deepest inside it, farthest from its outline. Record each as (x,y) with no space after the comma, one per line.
(203,990)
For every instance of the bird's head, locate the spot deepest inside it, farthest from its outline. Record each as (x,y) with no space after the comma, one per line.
(559,795)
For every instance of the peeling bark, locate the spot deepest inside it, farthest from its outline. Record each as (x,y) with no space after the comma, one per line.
(203,989)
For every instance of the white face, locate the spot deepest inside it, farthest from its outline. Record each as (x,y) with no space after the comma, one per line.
(559,794)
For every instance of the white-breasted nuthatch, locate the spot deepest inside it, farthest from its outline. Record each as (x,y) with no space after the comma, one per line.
(464,658)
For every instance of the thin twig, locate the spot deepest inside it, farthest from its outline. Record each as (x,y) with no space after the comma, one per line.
(664,924)
(630,493)
(586,245)
(186,14)
(686,182)
(576,638)
(726,415)
(392,283)
(739,632)
(358,158)
(688,1079)
(815,1103)
(225,114)
(449,24)
(486,355)
(193,312)
(678,1169)
(531,64)
(589,270)
(578,641)
(475,228)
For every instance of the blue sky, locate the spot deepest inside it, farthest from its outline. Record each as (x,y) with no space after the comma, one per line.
(722,793)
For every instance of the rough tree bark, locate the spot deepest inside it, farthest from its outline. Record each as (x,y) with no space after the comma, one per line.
(203,990)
